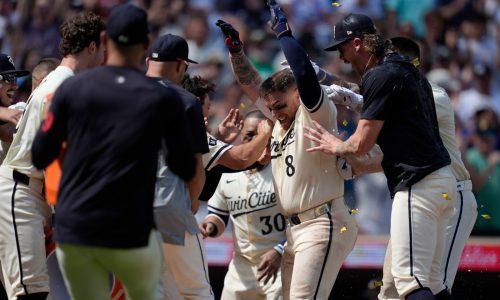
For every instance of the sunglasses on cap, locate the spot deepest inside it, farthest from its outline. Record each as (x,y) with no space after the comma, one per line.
(8,78)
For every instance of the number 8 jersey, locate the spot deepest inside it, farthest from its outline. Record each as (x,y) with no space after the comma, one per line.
(304,180)
(248,199)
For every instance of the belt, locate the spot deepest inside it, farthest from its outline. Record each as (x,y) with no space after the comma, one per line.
(24,179)
(310,214)
(464,185)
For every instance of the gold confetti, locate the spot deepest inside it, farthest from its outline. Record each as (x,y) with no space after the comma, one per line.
(345,122)
(354,211)
(242,105)
(445,196)
(336,4)
(486,216)
(378,283)
(343,229)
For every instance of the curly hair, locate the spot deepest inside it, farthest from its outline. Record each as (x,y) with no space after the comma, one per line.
(77,33)
(374,43)
(197,86)
(279,81)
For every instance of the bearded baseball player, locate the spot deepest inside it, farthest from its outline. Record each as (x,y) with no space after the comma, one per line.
(398,111)
(24,213)
(320,232)
(249,200)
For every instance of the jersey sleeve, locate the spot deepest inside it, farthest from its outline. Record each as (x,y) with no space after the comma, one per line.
(217,205)
(324,112)
(216,150)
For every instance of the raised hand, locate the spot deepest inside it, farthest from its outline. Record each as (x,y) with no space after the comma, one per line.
(232,36)
(326,141)
(231,126)
(278,22)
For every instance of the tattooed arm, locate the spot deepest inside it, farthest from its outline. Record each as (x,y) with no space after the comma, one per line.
(246,74)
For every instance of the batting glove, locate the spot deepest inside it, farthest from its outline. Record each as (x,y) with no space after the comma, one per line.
(342,96)
(344,168)
(278,21)
(231,35)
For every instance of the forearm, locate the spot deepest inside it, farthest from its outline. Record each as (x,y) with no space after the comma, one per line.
(246,75)
(248,153)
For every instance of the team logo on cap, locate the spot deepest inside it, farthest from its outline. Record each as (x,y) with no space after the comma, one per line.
(349,32)
(154,55)
(10,59)
(123,39)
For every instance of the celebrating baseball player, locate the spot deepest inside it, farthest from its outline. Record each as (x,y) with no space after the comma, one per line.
(249,200)
(320,231)
(25,213)
(185,274)
(398,113)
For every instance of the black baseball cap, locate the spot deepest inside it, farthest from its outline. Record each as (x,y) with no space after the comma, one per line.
(128,25)
(7,67)
(170,47)
(351,26)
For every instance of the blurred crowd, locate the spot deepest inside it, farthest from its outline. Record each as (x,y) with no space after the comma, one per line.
(459,40)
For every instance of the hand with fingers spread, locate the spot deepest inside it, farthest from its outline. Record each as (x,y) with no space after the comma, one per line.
(278,22)
(231,126)
(327,142)
(232,36)
(10,115)
(270,263)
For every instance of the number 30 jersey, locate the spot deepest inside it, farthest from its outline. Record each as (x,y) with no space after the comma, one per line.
(248,199)
(304,180)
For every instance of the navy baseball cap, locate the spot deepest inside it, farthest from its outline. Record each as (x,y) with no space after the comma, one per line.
(128,25)
(7,67)
(351,26)
(170,47)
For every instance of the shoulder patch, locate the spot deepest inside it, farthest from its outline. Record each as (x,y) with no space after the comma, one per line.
(212,141)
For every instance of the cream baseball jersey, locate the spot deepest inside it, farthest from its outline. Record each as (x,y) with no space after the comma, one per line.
(304,180)
(446,122)
(249,200)
(19,155)
(216,150)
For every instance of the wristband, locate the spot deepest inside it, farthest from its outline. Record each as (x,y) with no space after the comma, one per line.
(215,231)
(280,249)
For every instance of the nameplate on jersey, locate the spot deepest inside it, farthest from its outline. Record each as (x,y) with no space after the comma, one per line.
(255,202)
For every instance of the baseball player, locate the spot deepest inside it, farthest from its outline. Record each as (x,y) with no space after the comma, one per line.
(249,200)
(24,213)
(104,219)
(320,232)
(465,213)
(185,274)
(398,113)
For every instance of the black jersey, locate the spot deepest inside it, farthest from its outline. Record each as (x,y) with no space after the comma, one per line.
(394,91)
(113,120)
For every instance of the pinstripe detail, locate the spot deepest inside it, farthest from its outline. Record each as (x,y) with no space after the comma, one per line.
(17,238)
(216,156)
(203,261)
(410,229)
(326,256)
(454,235)
(218,211)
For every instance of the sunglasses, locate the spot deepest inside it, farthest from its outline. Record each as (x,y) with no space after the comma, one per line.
(8,78)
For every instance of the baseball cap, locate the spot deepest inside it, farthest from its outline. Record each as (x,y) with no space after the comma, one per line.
(169,47)
(7,67)
(351,26)
(127,25)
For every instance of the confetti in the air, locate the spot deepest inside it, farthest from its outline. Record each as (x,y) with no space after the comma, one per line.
(242,105)
(445,196)
(486,216)
(345,122)
(343,229)
(378,283)
(354,211)
(336,4)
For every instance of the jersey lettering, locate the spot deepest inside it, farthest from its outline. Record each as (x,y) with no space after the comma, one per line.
(278,222)
(290,169)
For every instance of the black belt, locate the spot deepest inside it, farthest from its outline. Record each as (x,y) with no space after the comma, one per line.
(20,177)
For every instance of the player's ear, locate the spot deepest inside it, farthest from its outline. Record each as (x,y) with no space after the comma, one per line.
(92,48)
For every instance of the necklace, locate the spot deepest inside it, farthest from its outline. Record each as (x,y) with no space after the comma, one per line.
(369,60)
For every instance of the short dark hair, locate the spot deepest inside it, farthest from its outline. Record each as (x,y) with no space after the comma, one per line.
(279,81)
(47,63)
(198,86)
(406,47)
(77,33)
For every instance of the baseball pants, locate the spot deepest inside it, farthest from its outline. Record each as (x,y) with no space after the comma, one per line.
(24,218)
(315,251)
(185,271)
(457,232)
(86,270)
(420,215)
(241,282)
